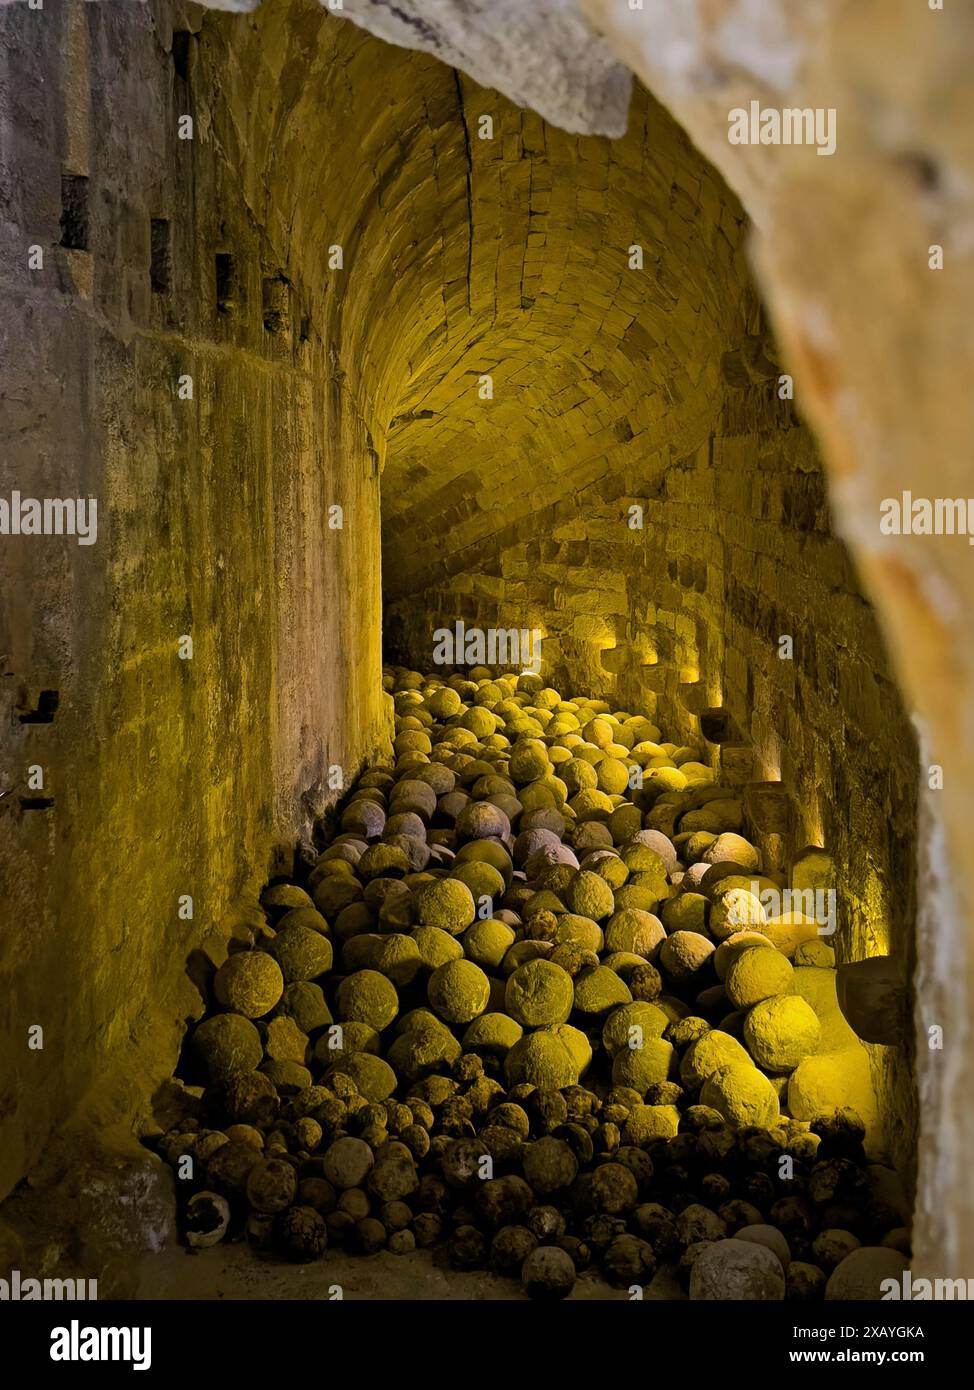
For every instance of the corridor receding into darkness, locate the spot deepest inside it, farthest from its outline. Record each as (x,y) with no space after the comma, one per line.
(371,352)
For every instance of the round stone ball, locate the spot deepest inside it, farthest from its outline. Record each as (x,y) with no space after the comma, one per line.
(479,721)
(227,1043)
(422,1050)
(406,823)
(660,844)
(305,1003)
(780,1031)
(374,1079)
(458,991)
(548,1274)
(383,861)
(631,1024)
(742,1094)
(768,1236)
(830,1247)
(737,1271)
(687,912)
(395,1215)
(493,1033)
(487,942)
(365,818)
(503,1201)
(368,1236)
(483,880)
(249,983)
(529,760)
(529,842)
(610,1189)
(538,993)
(598,990)
(510,1248)
(735,910)
(636,932)
(271,1185)
(579,931)
(647,870)
(579,775)
(336,1043)
(684,953)
(628,1261)
(336,892)
(550,1165)
(868,1274)
(728,951)
(282,897)
(705,1056)
(624,822)
(396,956)
(645,1123)
(302,953)
(347,1162)
(642,1067)
(228,1169)
(436,946)
(547,1224)
(645,983)
(730,848)
(588,895)
(302,1234)
(367,997)
(804,1283)
(394,1175)
(758,974)
(412,794)
(444,703)
(579,1047)
(486,852)
(481,820)
(445,903)
(541,1060)
(247,1098)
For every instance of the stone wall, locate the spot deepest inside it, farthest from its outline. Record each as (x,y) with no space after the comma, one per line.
(166,776)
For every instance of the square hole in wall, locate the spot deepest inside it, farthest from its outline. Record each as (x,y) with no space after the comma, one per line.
(47,704)
(160,256)
(74,212)
(226,282)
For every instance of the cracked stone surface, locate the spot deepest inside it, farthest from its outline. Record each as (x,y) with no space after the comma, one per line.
(543,54)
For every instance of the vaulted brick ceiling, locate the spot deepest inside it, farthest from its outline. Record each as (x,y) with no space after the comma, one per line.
(505,256)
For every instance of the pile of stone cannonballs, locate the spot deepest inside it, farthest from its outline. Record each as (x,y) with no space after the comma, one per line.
(527,1007)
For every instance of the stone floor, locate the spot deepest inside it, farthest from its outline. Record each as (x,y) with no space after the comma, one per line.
(235,1272)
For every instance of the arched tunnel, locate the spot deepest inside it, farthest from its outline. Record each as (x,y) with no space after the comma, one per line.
(352,350)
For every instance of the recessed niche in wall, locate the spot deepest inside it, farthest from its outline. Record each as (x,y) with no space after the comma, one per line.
(180,53)
(160,261)
(74,212)
(226,283)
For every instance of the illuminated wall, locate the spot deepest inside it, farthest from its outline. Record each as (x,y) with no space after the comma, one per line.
(337,259)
